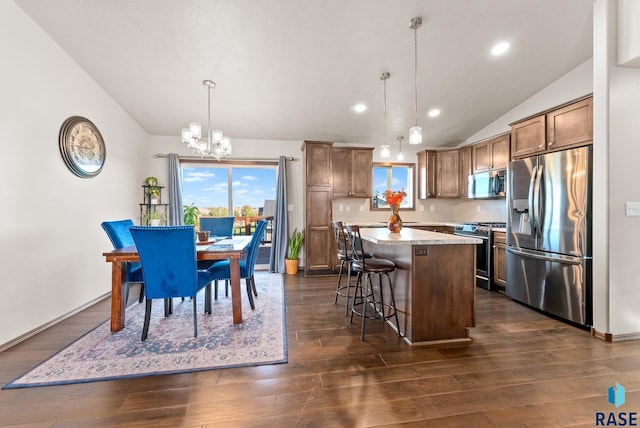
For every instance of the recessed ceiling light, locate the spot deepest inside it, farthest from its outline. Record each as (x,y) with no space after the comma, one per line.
(434,112)
(359,108)
(500,48)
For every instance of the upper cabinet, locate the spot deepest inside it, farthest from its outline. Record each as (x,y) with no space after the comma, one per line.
(571,125)
(567,126)
(491,154)
(466,169)
(352,172)
(318,156)
(427,160)
(448,174)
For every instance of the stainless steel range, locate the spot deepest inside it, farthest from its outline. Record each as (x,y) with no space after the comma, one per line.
(484,264)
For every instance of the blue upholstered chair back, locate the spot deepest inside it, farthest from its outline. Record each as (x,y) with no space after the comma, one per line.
(217,226)
(118,232)
(252,250)
(168,257)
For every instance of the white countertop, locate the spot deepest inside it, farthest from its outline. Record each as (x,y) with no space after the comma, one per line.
(409,236)
(404,223)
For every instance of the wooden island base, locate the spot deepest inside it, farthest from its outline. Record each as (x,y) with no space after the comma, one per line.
(434,282)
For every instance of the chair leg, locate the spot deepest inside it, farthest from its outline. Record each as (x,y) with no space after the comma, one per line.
(147,318)
(168,307)
(253,286)
(355,295)
(393,302)
(365,304)
(207,299)
(346,304)
(215,292)
(141,298)
(250,294)
(335,300)
(226,288)
(195,317)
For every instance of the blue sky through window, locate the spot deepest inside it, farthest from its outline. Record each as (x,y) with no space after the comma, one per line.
(209,186)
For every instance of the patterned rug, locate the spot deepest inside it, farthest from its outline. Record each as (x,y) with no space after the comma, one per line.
(170,346)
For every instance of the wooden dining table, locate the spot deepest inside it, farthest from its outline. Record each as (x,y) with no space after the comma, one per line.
(230,248)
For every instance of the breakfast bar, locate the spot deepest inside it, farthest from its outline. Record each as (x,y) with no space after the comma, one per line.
(434,281)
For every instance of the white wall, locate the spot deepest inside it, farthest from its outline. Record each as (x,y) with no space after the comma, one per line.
(616,154)
(51,258)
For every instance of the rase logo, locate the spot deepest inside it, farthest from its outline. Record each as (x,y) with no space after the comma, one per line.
(615,397)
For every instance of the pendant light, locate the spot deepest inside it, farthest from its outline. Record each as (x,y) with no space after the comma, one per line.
(385,152)
(217,145)
(415,133)
(400,156)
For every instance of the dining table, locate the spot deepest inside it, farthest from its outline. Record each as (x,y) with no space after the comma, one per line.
(230,248)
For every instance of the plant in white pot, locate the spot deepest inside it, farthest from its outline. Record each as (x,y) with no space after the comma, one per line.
(292,261)
(153,218)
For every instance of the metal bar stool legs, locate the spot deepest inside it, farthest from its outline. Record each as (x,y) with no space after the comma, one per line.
(365,295)
(340,289)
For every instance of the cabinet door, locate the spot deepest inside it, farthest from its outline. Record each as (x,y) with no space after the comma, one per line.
(571,125)
(499,260)
(499,148)
(427,173)
(318,160)
(448,174)
(466,169)
(481,157)
(361,168)
(528,137)
(341,172)
(318,234)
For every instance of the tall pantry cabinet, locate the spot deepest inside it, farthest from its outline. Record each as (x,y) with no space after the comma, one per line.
(318,181)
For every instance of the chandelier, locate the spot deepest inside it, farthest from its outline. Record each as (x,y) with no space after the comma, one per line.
(415,133)
(217,145)
(385,153)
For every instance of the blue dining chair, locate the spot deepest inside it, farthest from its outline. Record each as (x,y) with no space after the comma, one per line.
(168,258)
(222,270)
(221,227)
(120,237)
(217,226)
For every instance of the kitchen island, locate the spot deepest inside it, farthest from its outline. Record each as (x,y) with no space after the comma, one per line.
(434,281)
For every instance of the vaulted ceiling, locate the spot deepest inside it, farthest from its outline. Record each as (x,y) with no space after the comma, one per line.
(294,69)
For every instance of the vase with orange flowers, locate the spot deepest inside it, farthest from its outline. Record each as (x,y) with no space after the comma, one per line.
(394,199)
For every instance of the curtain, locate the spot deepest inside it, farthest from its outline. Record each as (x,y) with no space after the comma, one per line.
(175,191)
(280,237)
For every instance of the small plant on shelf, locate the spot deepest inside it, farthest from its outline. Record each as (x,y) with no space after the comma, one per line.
(151,181)
(154,195)
(153,218)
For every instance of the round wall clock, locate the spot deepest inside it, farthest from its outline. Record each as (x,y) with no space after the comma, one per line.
(82,147)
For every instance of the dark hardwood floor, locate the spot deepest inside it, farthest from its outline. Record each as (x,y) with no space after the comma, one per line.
(522,369)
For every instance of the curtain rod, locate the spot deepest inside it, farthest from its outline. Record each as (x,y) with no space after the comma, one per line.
(164,155)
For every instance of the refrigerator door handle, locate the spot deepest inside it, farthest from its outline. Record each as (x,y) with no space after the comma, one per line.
(537,255)
(532,216)
(537,201)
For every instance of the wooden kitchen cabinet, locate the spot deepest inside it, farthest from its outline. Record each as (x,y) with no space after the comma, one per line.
(491,154)
(427,173)
(570,126)
(499,260)
(352,172)
(447,174)
(466,169)
(317,182)
(567,126)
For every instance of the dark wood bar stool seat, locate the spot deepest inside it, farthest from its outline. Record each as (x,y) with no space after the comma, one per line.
(365,295)
(344,251)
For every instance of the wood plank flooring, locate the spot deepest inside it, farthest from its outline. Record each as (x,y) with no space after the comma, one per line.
(522,369)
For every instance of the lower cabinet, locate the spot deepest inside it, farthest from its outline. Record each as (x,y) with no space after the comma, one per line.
(499,260)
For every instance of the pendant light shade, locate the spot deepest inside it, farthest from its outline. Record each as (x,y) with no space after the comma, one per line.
(415,133)
(400,156)
(385,152)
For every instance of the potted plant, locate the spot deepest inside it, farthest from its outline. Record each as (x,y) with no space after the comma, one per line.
(154,195)
(295,243)
(153,218)
(151,181)
(191,214)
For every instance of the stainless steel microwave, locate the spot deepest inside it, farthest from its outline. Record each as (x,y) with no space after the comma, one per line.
(487,185)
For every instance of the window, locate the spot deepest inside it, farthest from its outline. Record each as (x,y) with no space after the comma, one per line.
(394,176)
(223,190)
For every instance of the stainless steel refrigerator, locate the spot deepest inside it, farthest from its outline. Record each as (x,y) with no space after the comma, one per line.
(549,247)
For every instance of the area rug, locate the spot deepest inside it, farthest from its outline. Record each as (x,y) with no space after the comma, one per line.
(170,346)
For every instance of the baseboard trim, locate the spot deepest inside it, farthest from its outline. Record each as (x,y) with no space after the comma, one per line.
(610,337)
(51,323)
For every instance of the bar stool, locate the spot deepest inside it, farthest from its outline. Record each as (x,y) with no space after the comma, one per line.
(367,297)
(344,255)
